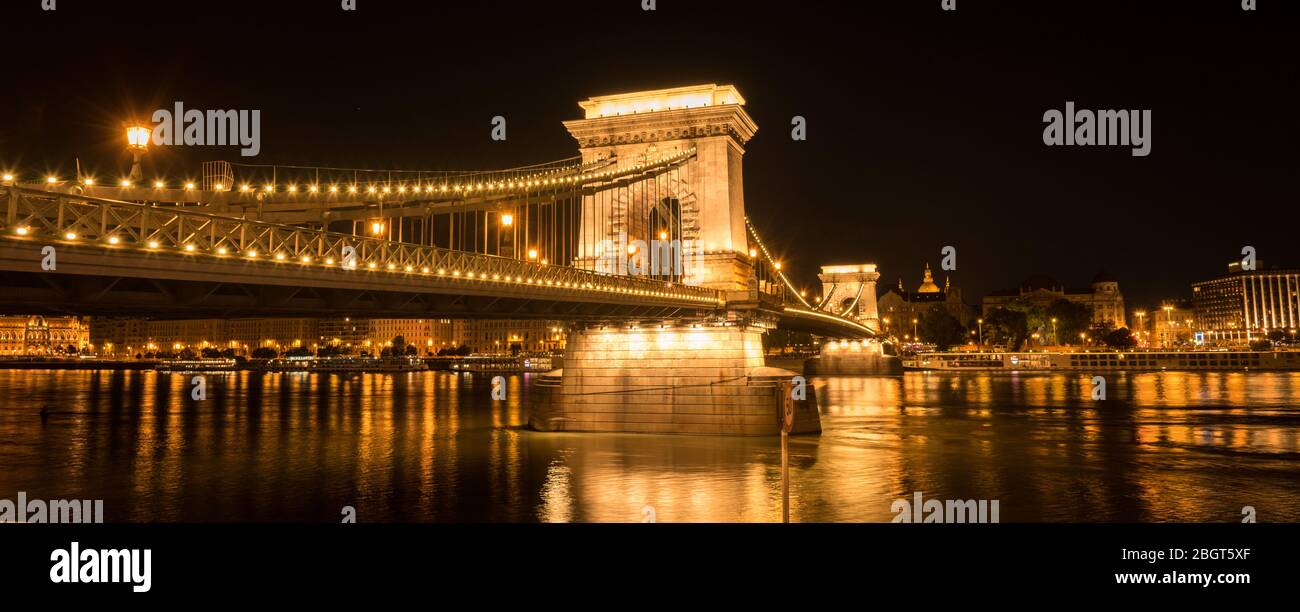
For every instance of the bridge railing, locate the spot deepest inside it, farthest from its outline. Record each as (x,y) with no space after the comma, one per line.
(73,218)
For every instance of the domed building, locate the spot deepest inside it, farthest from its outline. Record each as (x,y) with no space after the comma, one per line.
(900,306)
(1102,297)
(927,283)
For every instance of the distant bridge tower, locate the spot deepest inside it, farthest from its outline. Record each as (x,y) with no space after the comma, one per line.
(850,290)
(700,206)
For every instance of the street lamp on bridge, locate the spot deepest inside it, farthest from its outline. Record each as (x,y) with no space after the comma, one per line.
(507,225)
(137,140)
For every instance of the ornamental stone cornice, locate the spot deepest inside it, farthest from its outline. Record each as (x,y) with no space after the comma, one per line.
(677,124)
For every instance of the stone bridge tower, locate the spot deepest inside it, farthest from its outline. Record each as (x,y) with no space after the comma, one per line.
(707,195)
(850,291)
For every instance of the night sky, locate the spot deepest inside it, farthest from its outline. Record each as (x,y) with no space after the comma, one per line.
(924,126)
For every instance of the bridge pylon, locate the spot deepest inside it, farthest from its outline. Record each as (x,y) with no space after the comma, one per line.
(699,208)
(850,291)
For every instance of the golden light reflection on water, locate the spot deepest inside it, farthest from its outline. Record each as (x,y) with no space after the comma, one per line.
(430,446)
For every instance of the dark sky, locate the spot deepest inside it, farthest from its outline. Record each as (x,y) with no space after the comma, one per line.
(924,126)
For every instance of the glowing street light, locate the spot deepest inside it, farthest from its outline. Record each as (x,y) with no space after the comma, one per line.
(137,140)
(507,219)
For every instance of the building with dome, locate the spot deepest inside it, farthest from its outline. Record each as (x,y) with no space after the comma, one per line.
(1102,297)
(899,306)
(37,335)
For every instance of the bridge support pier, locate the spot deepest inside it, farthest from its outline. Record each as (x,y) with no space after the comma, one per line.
(670,379)
(852,357)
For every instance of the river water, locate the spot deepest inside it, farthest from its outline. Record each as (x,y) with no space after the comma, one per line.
(433,446)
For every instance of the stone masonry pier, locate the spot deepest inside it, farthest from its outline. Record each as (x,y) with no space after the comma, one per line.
(670,379)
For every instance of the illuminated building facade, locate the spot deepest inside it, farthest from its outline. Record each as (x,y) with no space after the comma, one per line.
(37,335)
(1246,305)
(504,336)
(898,306)
(1174,324)
(1103,297)
(346,333)
(138,336)
(426,335)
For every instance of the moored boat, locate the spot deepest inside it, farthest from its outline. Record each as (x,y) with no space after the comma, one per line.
(1105,360)
(344,364)
(196,365)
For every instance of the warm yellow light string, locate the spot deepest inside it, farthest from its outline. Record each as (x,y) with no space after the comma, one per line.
(763,249)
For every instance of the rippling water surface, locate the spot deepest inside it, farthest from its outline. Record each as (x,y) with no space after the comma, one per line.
(432,446)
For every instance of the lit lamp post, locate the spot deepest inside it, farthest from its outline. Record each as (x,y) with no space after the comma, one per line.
(507,222)
(980,322)
(914,334)
(1055,339)
(137,140)
(1142,322)
(1169,332)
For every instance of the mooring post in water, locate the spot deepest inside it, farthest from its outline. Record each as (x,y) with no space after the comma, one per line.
(787,425)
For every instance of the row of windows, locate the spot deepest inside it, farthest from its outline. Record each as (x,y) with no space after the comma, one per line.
(1184,359)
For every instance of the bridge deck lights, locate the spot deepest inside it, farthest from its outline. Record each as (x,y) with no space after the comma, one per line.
(113,240)
(70,235)
(371,265)
(189,186)
(153,244)
(189,248)
(8,178)
(51,180)
(279,256)
(306,259)
(221,251)
(409,268)
(329,261)
(252,254)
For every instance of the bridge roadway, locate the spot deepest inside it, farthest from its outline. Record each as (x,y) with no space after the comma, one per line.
(116,258)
